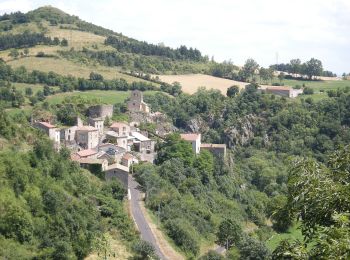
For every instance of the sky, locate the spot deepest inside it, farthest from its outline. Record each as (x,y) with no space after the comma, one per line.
(265,30)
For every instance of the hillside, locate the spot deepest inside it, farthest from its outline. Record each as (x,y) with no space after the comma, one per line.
(202,169)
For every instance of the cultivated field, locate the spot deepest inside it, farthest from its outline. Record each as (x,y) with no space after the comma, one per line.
(102,96)
(190,83)
(76,39)
(66,67)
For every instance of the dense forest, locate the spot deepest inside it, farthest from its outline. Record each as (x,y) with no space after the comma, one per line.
(50,207)
(144,48)
(26,39)
(266,133)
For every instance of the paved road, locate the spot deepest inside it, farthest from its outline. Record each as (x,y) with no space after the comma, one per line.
(142,225)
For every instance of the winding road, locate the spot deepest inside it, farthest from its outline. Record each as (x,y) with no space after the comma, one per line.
(135,196)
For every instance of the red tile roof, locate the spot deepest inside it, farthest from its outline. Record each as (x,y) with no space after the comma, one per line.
(190,137)
(46,124)
(119,124)
(128,156)
(86,153)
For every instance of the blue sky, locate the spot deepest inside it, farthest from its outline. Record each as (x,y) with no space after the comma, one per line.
(226,29)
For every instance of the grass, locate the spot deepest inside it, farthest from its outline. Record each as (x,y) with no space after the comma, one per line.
(66,67)
(318,85)
(293,233)
(34,87)
(102,96)
(76,39)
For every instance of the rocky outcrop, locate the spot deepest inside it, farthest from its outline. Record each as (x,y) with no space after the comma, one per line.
(242,132)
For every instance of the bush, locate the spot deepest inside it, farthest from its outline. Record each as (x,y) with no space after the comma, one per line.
(144,250)
(308,91)
(183,234)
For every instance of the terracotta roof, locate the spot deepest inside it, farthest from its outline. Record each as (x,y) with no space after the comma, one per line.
(190,137)
(87,128)
(278,88)
(85,153)
(119,124)
(128,156)
(213,145)
(46,124)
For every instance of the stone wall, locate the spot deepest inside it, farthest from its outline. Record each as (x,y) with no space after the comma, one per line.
(101,111)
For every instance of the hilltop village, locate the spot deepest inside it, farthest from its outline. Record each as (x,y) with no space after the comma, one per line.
(114,148)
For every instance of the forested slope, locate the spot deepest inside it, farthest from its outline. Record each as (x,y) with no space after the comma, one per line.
(50,207)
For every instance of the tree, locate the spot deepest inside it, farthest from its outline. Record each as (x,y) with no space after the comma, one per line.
(250,248)
(26,51)
(64,42)
(281,77)
(29,92)
(308,91)
(320,197)
(264,74)
(14,53)
(250,67)
(295,66)
(175,147)
(232,91)
(144,250)
(312,68)
(230,233)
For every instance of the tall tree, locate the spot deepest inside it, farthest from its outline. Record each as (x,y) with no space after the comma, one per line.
(250,67)
(313,67)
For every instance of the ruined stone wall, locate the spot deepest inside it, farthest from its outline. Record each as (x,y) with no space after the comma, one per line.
(101,111)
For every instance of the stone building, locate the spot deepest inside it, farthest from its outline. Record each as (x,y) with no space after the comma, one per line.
(142,143)
(87,137)
(51,131)
(136,103)
(195,140)
(68,134)
(115,138)
(98,123)
(121,128)
(282,91)
(119,172)
(102,111)
(216,149)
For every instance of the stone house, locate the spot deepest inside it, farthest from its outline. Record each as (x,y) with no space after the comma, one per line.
(195,140)
(68,134)
(136,103)
(121,128)
(113,153)
(282,91)
(119,172)
(51,131)
(93,164)
(216,149)
(142,143)
(121,141)
(98,123)
(87,137)
(128,159)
